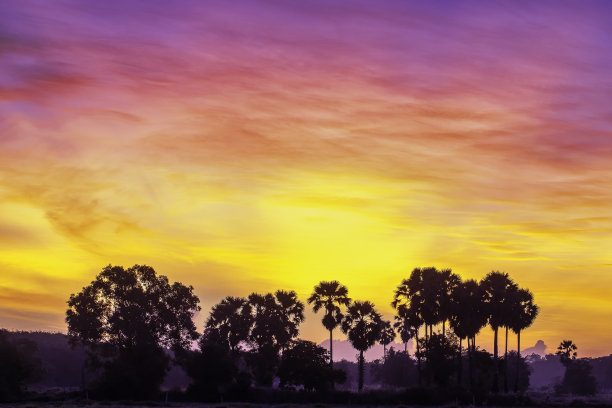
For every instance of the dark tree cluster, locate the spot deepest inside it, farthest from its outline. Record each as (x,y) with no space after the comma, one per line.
(135,323)
(430,297)
(578,378)
(18,366)
(128,319)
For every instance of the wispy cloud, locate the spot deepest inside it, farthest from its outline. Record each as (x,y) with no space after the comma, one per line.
(252,144)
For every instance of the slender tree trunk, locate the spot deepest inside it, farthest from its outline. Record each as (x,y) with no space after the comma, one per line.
(471,369)
(444,328)
(495,364)
(429,365)
(361,369)
(460,369)
(506,364)
(384,353)
(331,347)
(418,352)
(406,347)
(518,362)
(331,357)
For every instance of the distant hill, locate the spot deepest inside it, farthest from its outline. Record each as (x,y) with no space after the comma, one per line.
(62,366)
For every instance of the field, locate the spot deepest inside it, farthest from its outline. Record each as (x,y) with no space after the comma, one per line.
(540,400)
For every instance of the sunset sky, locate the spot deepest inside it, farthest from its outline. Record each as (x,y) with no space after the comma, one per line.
(243,146)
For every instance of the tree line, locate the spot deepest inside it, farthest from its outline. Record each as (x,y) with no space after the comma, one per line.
(135,323)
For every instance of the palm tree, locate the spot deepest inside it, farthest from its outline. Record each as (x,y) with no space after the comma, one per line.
(567,351)
(524,313)
(458,320)
(232,320)
(291,314)
(387,335)
(474,315)
(330,296)
(510,306)
(410,295)
(362,326)
(430,288)
(496,286)
(407,323)
(446,285)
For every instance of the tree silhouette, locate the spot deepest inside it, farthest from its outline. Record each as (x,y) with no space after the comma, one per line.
(127,317)
(406,323)
(567,351)
(468,317)
(291,312)
(496,286)
(447,282)
(304,363)
(276,318)
(524,312)
(232,319)
(212,368)
(578,378)
(387,335)
(18,366)
(330,296)
(362,326)
(409,298)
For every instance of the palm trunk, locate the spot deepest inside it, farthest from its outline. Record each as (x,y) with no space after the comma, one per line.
(418,352)
(460,369)
(361,369)
(495,364)
(470,351)
(331,358)
(506,364)
(331,347)
(518,362)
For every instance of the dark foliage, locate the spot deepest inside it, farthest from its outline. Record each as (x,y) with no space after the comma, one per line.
(523,369)
(60,364)
(602,370)
(397,370)
(578,378)
(127,318)
(135,373)
(214,370)
(18,366)
(306,364)
(440,353)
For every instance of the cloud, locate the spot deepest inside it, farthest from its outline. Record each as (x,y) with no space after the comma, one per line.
(262,144)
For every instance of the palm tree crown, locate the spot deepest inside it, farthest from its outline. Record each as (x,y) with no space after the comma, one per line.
(330,296)
(362,325)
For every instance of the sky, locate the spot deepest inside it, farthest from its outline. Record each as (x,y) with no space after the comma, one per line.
(259,145)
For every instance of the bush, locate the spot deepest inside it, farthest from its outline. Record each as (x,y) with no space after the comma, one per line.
(577,379)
